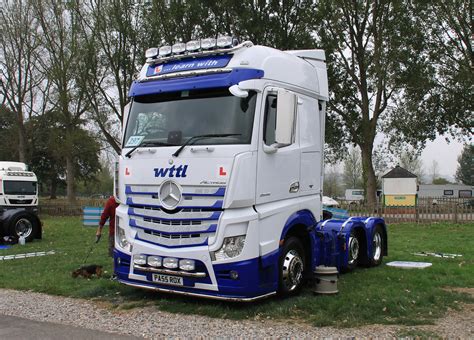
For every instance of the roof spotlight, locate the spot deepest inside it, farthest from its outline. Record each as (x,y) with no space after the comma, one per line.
(164,51)
(178,48)
(224,41)
(208,43)
(151,52)
(193,45)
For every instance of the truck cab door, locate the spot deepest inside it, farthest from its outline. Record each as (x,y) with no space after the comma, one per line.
(278,168)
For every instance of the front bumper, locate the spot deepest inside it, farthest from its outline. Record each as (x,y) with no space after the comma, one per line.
(257,278)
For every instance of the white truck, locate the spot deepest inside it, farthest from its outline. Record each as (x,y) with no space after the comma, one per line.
(220,176)
(18,201)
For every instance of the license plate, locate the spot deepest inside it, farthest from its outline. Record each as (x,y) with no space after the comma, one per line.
(168,279)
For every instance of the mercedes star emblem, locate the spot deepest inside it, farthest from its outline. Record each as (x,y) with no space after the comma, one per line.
(170,194)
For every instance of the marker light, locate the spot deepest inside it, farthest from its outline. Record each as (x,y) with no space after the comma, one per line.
(208,43)
(151,52)
(193,45)
(178,48)
(164,51)
(224,41)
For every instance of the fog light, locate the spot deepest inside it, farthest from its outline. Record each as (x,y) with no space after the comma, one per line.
(234,275)
(170,263)
(154,261)
(188,265)
(193,45)
(139,259)
(208,43)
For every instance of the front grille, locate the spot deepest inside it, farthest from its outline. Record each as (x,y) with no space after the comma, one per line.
(12,201)
(189,224)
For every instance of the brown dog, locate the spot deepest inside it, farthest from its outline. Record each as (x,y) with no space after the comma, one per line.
(88,271)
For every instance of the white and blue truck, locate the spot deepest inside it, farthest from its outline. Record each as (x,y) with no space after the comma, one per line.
(18,201)
(221,171)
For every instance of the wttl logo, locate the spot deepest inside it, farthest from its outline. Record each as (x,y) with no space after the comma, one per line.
(173,171)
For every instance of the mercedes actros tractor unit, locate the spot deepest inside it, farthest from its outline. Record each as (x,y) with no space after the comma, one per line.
(18,202)
(221,171)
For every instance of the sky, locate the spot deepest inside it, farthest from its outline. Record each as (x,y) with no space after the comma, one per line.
(445,154)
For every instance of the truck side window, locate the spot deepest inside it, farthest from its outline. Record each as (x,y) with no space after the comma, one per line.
(270,119)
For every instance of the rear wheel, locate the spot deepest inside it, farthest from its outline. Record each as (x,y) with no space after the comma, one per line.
(291,267)
(377,246)
(24,225)
(354,251)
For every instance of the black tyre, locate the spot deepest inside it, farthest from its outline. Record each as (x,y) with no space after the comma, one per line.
(377,246)
(292,266)
(25,225)
(354,247)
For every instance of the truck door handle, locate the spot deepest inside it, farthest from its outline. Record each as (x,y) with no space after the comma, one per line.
(295,187)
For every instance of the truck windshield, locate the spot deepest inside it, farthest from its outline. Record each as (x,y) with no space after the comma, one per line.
(173,118)
(19,188)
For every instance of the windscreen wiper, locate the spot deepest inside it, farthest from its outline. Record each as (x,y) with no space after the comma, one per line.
(195,138)
(147,143)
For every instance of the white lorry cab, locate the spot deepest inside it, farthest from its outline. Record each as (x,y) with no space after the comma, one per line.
(220,176)
(18,201)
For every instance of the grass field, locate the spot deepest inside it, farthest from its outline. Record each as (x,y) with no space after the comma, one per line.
(368,295)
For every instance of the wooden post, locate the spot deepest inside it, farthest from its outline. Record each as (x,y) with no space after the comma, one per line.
(455,213)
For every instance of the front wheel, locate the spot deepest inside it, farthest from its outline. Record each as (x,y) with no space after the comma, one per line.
(24,225)
(291,267)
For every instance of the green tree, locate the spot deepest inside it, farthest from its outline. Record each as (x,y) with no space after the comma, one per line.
(8,135)
(352,175)
(410,160)
(374,53)
(63,42)
(465,170)
(19,79)
(115,33)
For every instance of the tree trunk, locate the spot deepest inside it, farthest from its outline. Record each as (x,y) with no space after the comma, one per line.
(369,175)
(53,188)
(21,138)
(71,195)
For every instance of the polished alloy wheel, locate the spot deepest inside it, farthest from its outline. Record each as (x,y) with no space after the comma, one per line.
(377,246)
(293,267)
(353,250)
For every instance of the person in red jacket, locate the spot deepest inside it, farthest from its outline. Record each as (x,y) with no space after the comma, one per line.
(108,214)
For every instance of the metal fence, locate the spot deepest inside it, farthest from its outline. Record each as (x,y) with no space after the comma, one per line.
(432,209)
(427,210)
(61,207)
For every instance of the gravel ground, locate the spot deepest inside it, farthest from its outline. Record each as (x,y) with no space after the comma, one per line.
(149,322)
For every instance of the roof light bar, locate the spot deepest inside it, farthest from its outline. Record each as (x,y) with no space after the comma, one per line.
(208,46)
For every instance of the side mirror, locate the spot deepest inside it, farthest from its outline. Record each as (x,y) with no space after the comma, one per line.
(285,118)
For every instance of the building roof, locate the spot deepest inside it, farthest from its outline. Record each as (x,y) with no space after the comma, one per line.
(399,172)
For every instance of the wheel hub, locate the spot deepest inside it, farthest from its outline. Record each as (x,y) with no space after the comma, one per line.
(293,267)
(23,227)
(353,249)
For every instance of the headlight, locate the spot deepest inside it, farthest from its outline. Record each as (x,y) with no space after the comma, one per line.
(231,247)
(154,261)
(120,237)
(139,259)
(188,265)
(170,263)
